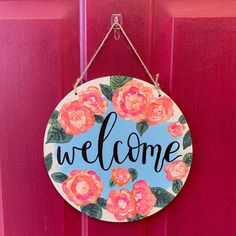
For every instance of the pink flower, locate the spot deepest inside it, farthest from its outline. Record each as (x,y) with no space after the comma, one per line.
(75,118)
(121,176)
(92,99)
(121,203)
(176,129)
(145,200)
(176,170)
(83,187)
(160,110)
(131,101)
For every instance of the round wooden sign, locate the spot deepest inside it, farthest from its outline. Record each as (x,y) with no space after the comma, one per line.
(117,151)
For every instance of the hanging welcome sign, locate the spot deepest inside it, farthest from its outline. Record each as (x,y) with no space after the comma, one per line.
(116,150)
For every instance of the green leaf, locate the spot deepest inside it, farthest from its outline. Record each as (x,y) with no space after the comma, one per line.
(118,81)
(56,134)
(112,183)
(187,141)
(137,217)
(59,177)
(133,173)
(177,185)
(48,161)
(107,91)
(163,197)
(53,117)
(142,127)
(98,118)
(182,119)
(92,210)
(188,159)
(102,202)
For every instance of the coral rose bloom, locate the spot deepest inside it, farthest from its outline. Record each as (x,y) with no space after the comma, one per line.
(92,99)
(83,187)
(121,176)
(176,129)
(75,118)
(145,200)
(121,203)
(176,170)
(160,110)
(131,101)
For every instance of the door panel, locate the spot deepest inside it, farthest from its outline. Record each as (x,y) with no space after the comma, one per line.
(36,67)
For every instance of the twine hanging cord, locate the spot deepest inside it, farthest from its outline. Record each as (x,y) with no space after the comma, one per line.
(117,26)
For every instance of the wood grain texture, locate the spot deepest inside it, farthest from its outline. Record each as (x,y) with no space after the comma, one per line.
(34,61)
(204,68)
(26,102)
(202,79)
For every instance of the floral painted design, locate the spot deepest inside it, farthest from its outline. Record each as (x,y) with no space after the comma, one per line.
(144,198)
(122,204)
(75,118)
(126,196)
(79,116)
(92,99)
(177,170)
(82,187)
(121,176)
(176,129)
(160,110)
(131,101)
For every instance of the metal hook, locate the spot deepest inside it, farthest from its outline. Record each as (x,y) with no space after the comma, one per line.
(116,19)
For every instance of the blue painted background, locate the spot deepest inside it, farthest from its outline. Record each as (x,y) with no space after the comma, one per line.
(156,134)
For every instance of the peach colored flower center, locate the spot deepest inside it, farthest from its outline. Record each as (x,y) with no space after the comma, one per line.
(121,176)
(133,102)
(82,187)
(159,110)
(77,118)
(138,196)
(178,169)
(92,101)
(122,204)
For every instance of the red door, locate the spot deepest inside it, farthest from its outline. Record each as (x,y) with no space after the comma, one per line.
(45,45)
